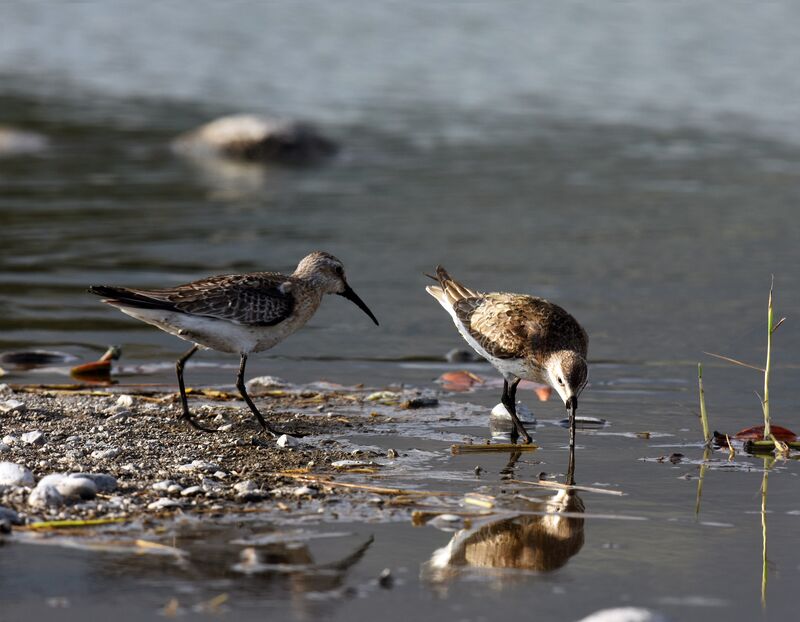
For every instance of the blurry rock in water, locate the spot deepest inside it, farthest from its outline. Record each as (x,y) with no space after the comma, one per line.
(257,139)
(31,359)
(624,614)
(20,142)
(457,355)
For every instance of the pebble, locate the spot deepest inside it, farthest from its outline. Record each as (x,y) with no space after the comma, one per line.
(102,481)
(9,515)
(119,416)
(175,489)
(247,485)
(10,406)
(385,579)
(198,465)
(523,412)
(287,441)
(70,487)
(125,401)
(4,448)
(163,485)
(163,503)
(10,439)
(33,438)
(191,491)
(225,428)
(12,474)
(392,453)
(624,614)
(45,496)
(106,454)
(304,491)
(265,382)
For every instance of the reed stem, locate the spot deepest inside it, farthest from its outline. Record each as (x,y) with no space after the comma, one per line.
(703,413)
(770,330)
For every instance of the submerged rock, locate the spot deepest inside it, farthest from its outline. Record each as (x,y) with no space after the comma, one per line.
(624,614)
(257,139)
(12,474)
(19,142)
(33,438)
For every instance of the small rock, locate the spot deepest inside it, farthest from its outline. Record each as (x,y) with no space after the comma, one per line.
(125,401)
(220,475)
(163,485)
(265,382)
(385,579)
(45,496)
(392,453)
(420,402)
(33,438)
(163,503)
(456,355)
(349,464)
(4,448)
(9,515)
(198,465)
(225,428)
(191,491)
(120,416)
(304,491)
(10,439)
(175,489)
(106,454)
(478,470)
(247,485)
(625,614)
(523,412)
(287,441)
(71,487)
(5,389)
(9,406)
(12,474)
(102,481)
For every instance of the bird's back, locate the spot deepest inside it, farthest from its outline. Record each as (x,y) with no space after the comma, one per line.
(507,325)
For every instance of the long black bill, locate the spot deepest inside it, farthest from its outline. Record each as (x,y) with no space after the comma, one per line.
(353,297)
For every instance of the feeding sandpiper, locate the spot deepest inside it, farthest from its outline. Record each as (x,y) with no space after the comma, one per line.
(236,313)
(524,338)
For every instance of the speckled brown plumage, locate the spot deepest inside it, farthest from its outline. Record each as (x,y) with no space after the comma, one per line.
(514,325)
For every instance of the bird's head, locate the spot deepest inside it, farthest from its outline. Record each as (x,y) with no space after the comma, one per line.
(327,273)
(567,373)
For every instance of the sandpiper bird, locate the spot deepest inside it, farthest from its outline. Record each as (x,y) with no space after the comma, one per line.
(236,313)
(524,337)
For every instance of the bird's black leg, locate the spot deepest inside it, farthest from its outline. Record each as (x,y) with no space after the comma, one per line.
(572,429)
(509,400)
(184,402)
(253,409)
(571,467)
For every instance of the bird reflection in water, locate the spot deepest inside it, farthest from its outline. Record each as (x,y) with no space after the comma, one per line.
(539,535)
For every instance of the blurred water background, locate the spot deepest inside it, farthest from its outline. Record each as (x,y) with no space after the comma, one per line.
(637,163)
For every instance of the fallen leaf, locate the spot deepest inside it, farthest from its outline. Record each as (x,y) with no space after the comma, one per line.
(756,433)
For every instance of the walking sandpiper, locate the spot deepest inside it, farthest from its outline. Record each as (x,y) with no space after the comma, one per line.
(524,338)
(236,313)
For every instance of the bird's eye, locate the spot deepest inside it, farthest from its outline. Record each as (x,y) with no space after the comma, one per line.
(339,270)
(561,381)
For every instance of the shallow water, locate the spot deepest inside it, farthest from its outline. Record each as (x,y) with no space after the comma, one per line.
(645,178)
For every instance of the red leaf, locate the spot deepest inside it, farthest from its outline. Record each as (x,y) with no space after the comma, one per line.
(756,433)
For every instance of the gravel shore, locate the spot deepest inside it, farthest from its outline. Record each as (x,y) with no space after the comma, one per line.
(93,454)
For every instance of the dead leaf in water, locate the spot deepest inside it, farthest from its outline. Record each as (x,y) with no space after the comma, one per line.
(756,433)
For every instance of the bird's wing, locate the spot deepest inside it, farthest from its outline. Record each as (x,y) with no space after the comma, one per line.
(259,299)
(495,323)
(510,325)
